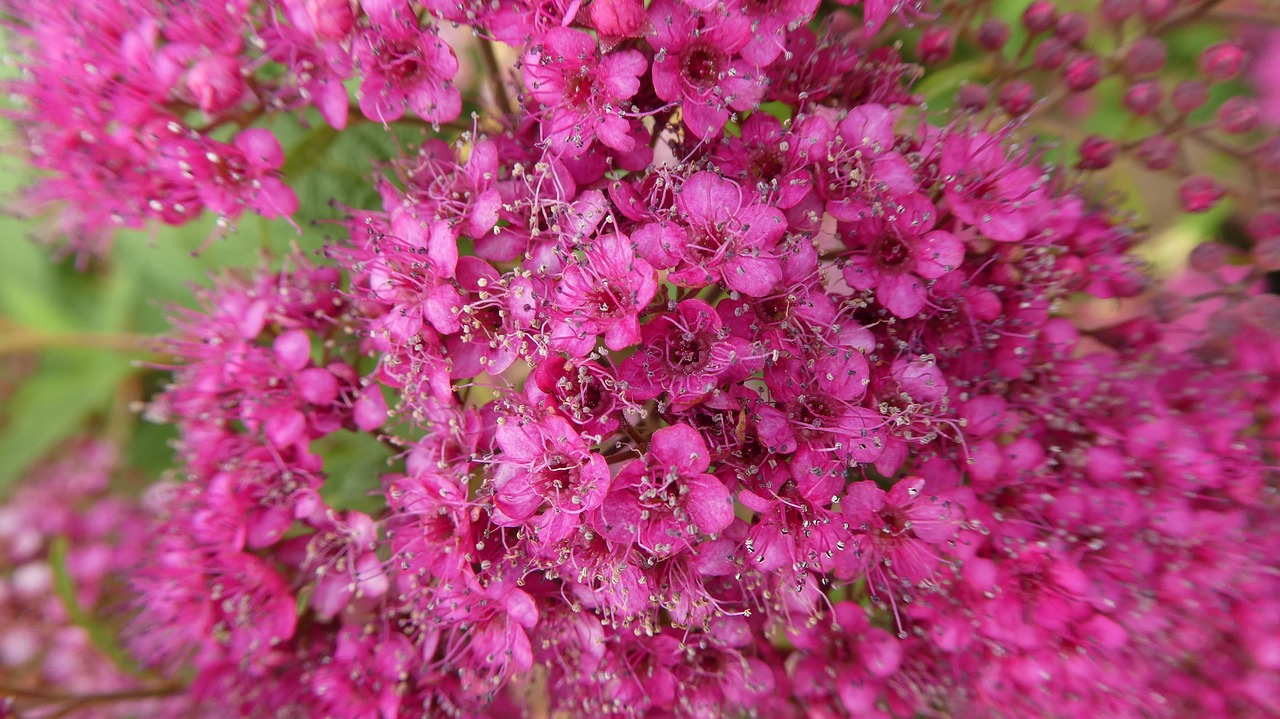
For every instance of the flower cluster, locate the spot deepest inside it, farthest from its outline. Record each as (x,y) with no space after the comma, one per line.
(712,380)
(64,542)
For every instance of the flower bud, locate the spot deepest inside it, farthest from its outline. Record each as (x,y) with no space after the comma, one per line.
(216,83)
(1222,61)
(1118,11)
(1039,16)
(1238,115)
(1082,72)
(1264,226)
(1144,97)
(1157,152)
(993,33)
(1050,54)
(1017,96)
(936,45)
(1208,256)
(1266,252)
(1267,155)
(1189,95)
(1156,10)
(619,18)
(330,19)
(1072,28)
(1200,194)
(973,97)
(1145,56)
(1097,153)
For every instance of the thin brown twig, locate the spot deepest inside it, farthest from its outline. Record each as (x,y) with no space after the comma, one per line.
(494,73)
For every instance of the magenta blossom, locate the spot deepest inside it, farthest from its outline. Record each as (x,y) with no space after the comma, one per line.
(547,478)
(665,501)
(584,92)
(406,65)
(686,356)
(902,252)
(602,293)
(702,68)
(728,237)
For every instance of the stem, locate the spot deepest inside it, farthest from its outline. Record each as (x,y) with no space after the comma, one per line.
(163,690)
(494,73)
(25,340)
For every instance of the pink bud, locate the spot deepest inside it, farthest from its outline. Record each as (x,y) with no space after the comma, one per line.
(1208,256)
(1039,16)
(619,18)
(1189,95)
(1200,194)
(293,349)
(1145,56)
(1072,28)
(1267,155)
(993,33)
(1222,61)
(317,386)
(973,97)
(1144,97)
(1050,54)
(1157,152)
(1082,73)
(1017,96)
(330,19)
(260,148)
(216,83)
(370,411)
(1119,10)
(1239,115)
(1097,153)
(936,45)
(1155,10)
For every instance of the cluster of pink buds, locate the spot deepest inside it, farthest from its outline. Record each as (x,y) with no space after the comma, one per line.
(713,375)
(1116,54)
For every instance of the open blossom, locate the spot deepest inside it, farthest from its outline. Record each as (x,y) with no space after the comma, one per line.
(685,356)
(902,253)
(585,93)
(547,479)
(727,237)
(703,70)
(602,294)
(663,503)
(405,65)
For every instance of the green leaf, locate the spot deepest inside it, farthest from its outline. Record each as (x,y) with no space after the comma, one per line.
(54,404)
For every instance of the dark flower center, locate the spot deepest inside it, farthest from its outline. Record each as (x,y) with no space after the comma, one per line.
(894,253)
(701,65)
(580,88)
(689,354)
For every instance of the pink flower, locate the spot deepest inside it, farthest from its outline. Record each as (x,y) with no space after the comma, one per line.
(985,188)
(665,501)
(703,70)
(897,252)
(406,65)
(899,533)
(602,293)
(546,478)
(859,168)
(727,237)
(686,356)
(583,92)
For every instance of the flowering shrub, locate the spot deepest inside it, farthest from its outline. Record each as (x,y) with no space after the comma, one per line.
(713,372)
